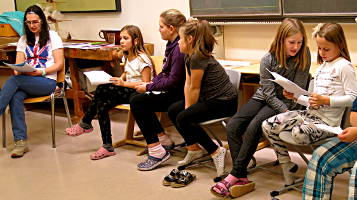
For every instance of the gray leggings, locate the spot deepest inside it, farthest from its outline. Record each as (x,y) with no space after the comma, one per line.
(297,121)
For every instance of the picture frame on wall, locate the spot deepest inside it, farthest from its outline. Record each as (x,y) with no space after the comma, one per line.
(73,6)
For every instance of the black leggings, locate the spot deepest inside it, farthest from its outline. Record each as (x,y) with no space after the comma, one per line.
(186,120)
(106,97)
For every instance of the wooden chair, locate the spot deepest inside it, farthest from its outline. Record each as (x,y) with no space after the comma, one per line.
(58,93)
(129,137)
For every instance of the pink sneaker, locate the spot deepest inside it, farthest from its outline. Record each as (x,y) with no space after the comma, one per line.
(101,153)
(76,130)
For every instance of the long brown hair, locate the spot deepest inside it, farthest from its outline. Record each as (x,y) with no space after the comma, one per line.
(137,44)
(203,40)
(173,17)
(44,33)
(287,28)
(333,33)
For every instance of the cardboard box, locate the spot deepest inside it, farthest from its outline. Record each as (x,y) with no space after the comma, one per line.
(7,31)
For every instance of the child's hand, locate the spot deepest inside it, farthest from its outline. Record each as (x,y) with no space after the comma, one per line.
(141,88)
(348,135)
(317,100)
(117,81)
(289,95)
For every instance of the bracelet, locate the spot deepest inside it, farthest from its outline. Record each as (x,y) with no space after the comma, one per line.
(43,73)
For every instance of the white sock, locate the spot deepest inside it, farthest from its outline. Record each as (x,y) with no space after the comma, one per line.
(157,151)
(165,140)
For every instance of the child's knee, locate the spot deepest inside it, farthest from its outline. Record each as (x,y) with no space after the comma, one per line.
(299,136)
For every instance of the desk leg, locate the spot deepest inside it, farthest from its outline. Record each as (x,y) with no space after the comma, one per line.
(78,110)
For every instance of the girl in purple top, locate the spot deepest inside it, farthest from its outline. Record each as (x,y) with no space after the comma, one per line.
(165,89)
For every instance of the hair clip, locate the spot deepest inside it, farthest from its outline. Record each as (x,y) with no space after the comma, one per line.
(316,30)
(31,12)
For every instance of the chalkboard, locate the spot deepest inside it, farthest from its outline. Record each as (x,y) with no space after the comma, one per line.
(233,8)
(265,10)
(73,5)
(320,7)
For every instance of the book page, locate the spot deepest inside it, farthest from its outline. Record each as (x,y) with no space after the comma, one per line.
(288,85)
(332,129)
(98,77)
(22,67)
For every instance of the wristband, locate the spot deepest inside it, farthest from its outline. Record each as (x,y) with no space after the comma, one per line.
(43,73)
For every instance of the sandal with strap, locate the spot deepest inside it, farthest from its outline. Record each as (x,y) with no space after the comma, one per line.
(77,130)
(101,153)
(241,188)
(221,189)
(184,179)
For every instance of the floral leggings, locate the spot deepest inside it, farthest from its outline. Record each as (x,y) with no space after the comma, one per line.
(106,97)
(300,122)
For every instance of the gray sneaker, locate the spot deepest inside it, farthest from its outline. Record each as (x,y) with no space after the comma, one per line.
(152,162)
(20,149)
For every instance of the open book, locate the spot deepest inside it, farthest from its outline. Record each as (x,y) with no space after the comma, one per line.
(22,67)
(288,85)
(98,77)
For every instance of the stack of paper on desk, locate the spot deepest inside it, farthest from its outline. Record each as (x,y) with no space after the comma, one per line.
(98,77)
(288,85)
(22,67)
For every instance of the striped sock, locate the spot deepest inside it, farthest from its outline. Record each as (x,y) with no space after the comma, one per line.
(157,151)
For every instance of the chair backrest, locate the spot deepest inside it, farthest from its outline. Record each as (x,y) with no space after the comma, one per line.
(158,62)
(234,77)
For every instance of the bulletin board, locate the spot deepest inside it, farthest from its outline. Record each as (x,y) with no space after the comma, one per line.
(74,5)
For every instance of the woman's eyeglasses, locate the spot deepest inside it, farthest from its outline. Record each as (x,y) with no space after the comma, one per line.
(34,22)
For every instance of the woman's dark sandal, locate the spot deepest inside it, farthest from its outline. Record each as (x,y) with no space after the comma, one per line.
(184,179)
(171,178)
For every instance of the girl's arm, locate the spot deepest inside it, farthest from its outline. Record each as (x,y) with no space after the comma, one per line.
(186,88)
(20,58)
(193,91)
(145,77)
(268,87)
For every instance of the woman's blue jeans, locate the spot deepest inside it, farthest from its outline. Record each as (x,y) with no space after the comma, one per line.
(13,93)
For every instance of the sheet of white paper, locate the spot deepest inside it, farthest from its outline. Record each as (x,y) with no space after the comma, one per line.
(98,77)
(288,85)
(331,129)
(233,63)
(22,67)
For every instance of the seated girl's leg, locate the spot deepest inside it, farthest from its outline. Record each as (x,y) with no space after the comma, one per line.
(332,158)
(271,129)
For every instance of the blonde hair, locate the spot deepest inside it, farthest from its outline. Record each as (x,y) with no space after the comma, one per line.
(203,40)
(173,17)
(333,33)
(287,28)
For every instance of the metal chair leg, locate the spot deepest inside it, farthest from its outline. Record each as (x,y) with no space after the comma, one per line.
(67,110)
(53,120)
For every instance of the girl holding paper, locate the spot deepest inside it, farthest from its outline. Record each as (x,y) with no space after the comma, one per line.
(43,50)
(335,88)
(288,56)
(138,69)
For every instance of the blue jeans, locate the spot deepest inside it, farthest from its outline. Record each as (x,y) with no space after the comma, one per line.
(13,93)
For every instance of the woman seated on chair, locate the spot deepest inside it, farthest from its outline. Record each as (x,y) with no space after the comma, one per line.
(288,56)
(209,94)
(335,88)
(334,157)
(42,49)
(138,69)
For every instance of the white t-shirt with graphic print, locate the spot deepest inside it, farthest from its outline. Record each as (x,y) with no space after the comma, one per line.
(336,79)
(134,68)
(41,57)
